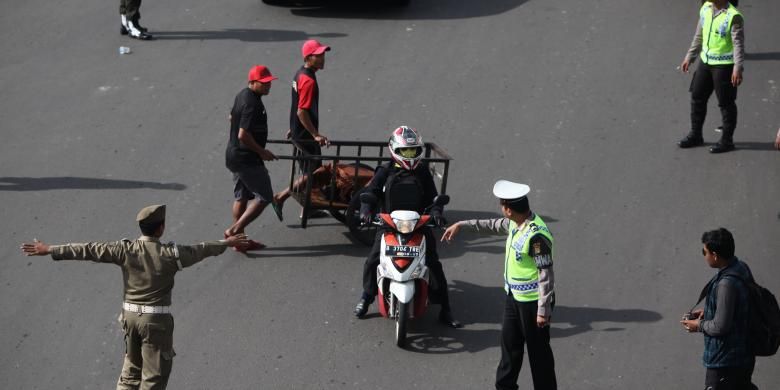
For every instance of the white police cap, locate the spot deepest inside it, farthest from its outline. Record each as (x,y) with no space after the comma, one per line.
(505,189)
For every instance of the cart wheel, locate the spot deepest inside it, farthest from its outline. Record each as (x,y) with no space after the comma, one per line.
(364,234)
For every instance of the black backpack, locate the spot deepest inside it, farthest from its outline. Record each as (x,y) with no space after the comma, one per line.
(403,191)
(764,316)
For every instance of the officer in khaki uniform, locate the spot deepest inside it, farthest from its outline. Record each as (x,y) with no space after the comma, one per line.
(148,267)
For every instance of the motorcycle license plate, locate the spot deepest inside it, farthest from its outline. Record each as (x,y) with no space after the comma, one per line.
(402,251)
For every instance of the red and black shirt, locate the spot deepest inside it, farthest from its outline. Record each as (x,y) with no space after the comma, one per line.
(305,96)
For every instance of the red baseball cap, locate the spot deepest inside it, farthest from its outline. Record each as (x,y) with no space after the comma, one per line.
(313,47)
(260,73)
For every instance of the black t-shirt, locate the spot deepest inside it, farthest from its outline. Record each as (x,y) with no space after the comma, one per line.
(249,114)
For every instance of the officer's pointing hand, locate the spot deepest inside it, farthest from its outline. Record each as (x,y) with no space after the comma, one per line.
(35,248)
(450,232)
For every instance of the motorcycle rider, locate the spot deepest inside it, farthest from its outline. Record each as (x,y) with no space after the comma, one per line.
(405,184)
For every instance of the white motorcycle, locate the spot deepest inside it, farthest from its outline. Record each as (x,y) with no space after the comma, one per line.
(402,275)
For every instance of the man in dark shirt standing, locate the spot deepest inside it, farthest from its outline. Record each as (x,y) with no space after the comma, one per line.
(246,152)
(304,111)
(724,319)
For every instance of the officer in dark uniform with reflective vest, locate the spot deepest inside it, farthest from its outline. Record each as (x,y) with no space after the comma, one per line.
(528,282)
(405,184)
(148,267)
(720,43)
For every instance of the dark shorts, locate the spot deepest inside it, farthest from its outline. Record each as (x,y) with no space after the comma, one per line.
(252,182)
(313,149)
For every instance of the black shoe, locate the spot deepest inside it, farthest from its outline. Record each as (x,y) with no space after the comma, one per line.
(142,36)
(722,147)
(361,308)
(122,29)
(445,317)
(137,32)
(690,141)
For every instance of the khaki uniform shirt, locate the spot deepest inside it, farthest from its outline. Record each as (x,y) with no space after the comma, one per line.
(148,266)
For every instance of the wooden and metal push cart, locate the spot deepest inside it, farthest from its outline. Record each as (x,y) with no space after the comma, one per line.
(334,186)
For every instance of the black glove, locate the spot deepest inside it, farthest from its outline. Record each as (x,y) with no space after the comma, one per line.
(438,219)
(365,214)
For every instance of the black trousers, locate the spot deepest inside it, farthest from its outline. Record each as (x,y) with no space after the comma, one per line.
(131,9)
(729,378)
(518,328)
(706,79)
(438,284)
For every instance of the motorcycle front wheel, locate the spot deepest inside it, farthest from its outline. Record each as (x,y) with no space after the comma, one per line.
(401,322)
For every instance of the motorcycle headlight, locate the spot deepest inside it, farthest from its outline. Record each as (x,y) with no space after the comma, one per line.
(405,225)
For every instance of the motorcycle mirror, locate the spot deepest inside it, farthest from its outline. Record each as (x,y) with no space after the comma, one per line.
(369,198)
(440,200)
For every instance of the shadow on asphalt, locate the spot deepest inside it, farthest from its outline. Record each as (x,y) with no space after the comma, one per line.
(476,306)
(754,146)
(767,56)
(244,35)
(305,252)
(416,10)
(79,183)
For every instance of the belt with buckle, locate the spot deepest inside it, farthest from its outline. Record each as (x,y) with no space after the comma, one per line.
(143,309)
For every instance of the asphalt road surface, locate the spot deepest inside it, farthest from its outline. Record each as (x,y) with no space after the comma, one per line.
(581,100)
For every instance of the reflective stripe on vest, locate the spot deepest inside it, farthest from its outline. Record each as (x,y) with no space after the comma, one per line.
(716,45)
(521,276)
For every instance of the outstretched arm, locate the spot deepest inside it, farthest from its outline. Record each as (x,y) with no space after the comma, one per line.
(94,251)
(192,254)
(494,227)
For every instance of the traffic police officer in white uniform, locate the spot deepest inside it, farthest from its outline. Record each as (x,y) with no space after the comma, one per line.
(528,282)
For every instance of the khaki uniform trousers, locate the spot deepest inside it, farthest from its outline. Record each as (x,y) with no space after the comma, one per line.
(149,351)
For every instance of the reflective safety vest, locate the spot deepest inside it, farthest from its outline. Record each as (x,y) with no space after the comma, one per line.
(716,45)
(521,276)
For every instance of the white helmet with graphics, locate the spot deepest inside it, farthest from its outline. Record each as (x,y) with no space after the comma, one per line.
(406,147)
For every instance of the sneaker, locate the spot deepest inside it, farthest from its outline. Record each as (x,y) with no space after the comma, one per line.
(690,141)
(445,317)
(278,210)
(722,147)
(361,308)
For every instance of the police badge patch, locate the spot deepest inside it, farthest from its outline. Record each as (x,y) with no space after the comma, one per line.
(537,248)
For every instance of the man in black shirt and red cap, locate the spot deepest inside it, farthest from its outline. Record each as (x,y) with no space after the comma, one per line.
(246,152)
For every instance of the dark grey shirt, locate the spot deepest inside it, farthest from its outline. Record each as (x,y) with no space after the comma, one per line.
(724,314)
